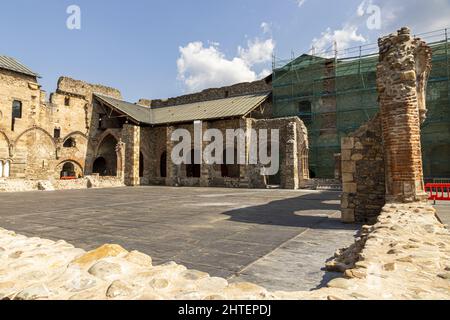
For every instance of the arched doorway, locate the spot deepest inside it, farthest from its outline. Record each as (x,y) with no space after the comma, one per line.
(163,165)
(106,162)
(68,171)
(100,166)
(141,165)
(193,170)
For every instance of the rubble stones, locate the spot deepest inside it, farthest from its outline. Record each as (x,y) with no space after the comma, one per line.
(419,269)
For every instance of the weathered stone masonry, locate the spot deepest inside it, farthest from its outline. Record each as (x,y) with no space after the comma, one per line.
(382,161)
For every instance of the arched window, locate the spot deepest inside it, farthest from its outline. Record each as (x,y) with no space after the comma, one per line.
(16,112)
(141,165)
(163,165)
(69,143)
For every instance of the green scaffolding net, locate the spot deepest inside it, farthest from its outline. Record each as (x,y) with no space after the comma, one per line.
(335,95)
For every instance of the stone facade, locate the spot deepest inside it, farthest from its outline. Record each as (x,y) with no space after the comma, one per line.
(382,161)
(74,134)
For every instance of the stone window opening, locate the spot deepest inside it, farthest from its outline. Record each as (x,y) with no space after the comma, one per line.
(4,168)
(70,143)
(101,118)
(163,165)
(141,165)
(16,112)
(57,133)
(230,170)
(193,170)
(305,111)
(67,101)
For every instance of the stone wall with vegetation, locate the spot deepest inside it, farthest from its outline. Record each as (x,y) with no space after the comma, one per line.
(406,255)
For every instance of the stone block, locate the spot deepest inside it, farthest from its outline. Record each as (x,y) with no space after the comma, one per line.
(347,143)
(349,187)
(348,167)
(348,215)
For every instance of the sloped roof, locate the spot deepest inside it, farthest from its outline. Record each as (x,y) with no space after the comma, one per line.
(137,112)
(12,64)
(206,110)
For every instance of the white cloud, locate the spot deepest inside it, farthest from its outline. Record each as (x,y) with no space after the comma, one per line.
(421,16)
(201,67)
(300,3)
(258,51)
(342,37)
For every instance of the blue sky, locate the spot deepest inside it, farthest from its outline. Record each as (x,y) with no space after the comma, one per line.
(158,49)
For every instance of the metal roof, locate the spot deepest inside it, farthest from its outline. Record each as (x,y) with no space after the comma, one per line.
(137,112)
(12,64)
(206,110)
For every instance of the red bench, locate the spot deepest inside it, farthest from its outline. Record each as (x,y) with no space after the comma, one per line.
(438,191)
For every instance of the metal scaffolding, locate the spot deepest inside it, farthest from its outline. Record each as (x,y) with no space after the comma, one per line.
(335,93)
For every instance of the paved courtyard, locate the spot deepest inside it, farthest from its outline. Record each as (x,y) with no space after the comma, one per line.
(277,238)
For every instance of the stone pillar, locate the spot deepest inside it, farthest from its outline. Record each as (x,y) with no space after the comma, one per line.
(131,137)
(171,168)
(291,160)
(402,74)
(205,169)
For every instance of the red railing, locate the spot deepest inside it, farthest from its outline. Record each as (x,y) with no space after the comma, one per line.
(438,191)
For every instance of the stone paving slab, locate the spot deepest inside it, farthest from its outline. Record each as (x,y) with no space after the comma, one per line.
(219,231)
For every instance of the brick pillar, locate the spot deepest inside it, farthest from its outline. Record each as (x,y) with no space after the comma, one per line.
(131,137)
(401,79)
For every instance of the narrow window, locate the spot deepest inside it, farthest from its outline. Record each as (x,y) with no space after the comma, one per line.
(6,169)
(304,111)
(16,112)
(67,101)
(101,118)
(57,133)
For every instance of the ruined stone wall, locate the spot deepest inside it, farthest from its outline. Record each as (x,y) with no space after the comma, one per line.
(402,74)
(362,169)
(37,147)
(264,85)
(382,161)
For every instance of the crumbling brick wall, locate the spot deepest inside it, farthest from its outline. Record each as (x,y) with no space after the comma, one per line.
(382,161)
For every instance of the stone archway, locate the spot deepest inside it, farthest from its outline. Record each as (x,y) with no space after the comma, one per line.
(106,162)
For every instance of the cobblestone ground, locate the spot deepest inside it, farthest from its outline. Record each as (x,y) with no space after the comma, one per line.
(249,235)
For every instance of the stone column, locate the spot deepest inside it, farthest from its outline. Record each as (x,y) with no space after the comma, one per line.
(402,74)
(291,160)
(171,168)
(131,136)
(205,169)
